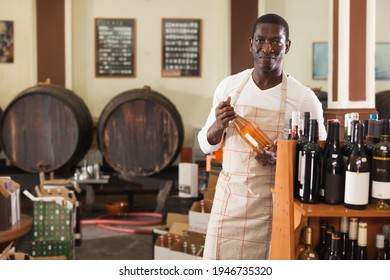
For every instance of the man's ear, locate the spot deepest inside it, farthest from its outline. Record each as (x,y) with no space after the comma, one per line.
(250,44)
(288,45)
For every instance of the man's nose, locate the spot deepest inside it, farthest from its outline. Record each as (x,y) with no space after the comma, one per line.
(266,47)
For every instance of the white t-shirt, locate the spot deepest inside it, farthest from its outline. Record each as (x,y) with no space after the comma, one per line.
(299,98)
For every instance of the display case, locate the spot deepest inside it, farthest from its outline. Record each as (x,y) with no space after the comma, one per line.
(290,216)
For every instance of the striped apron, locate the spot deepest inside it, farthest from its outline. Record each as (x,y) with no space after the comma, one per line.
(241,217)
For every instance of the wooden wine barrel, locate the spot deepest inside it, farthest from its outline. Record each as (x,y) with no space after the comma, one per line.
(140,132)
(45,128)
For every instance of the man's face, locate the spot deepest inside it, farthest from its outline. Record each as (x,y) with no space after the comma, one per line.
(268,47)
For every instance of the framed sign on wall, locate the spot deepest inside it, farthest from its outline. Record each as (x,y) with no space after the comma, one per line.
(181,47)
(114,47)
(320,61)
(6,41)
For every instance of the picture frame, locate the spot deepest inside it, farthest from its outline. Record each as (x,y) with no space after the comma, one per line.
(382,61)
(6,41)
(181,47)
(320,61)
(115,47)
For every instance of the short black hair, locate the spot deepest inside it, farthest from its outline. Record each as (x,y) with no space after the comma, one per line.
(273,19)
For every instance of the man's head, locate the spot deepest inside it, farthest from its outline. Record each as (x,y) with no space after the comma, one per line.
(274,19)
(269,43)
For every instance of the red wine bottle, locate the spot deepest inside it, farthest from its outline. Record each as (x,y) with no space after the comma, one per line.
(302,140)
(334,169)
(357,177)
(311,166)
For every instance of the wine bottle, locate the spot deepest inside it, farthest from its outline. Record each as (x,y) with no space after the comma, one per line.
(256,138)
(301,244)
(311,166)
(308,252)
(295,125)
(380,246)
(322,243)
(352,237)
(343,237)
(325,153)
(386,233)
(381,169)
(362,241)
(335,247)
(302,140)
(334,169)
(329,231)
(357,177)
(349,135)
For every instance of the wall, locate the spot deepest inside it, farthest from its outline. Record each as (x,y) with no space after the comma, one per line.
(191,96)
(17,76)
(308,22)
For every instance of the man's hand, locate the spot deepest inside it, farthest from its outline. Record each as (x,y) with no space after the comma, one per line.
(267,157)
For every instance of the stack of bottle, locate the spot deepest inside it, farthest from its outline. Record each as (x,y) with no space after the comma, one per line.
(347,243)
(353,174)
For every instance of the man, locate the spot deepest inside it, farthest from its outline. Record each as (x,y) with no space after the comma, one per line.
(241,217)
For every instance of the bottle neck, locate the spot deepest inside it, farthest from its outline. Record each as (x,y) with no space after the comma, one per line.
(313,131)
(306,124)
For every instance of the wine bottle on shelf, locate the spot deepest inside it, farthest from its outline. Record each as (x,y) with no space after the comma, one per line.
(357,177)
(295,125)
(333,168)
(352,239)
(362,241)
(302,140)
(386,233)
(329,232)
(321,246)
(343,237)
(349,134)
(308,252)
(381,169)
(301,244)
(380,246)
(325,152)
(335,247)
(311,166)
(256,138)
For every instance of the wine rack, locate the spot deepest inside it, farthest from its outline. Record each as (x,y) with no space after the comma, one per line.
(289,216)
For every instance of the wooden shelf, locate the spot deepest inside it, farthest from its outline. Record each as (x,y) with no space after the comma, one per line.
(290,216)
(326,210)
(21,228)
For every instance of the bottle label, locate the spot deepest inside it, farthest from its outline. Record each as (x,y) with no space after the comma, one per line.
(251,139)
(302,166)
(380,190)
(381,178)
(356,188)
(334,189)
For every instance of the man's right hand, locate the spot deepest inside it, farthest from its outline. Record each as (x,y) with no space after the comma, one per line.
(224,113)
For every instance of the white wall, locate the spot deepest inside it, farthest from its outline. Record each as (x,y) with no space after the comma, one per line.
(17,76)
(308,23)
(191,96)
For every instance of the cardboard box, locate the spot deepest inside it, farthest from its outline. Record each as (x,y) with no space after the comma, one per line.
(53,248)
(176,224)
(198,221)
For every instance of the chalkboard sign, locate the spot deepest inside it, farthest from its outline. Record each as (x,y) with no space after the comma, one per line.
(115,47)
(181,47)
